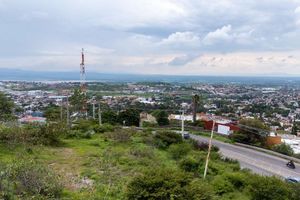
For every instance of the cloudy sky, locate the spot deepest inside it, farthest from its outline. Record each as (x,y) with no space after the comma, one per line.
(198,37)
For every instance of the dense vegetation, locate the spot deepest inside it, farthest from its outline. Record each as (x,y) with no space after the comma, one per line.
(106,162)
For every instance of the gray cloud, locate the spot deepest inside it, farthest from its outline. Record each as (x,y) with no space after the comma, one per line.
(119,35)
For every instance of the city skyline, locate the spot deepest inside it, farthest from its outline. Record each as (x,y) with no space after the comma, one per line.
(183,37)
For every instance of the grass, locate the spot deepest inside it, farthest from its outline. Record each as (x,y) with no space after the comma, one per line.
(101,168)
(216,136)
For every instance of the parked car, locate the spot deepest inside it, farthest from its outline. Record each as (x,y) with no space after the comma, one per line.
(293,179)
(186,135)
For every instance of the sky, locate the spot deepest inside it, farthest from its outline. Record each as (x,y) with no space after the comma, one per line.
(172,37)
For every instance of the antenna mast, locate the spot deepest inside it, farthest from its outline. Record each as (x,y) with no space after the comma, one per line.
(83,87)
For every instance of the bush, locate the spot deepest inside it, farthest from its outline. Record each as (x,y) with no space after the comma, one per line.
(47,134)
(103,128)
(80,135)
(265,188)
(284,149)
(25,178)
(165,139)
(199,190)
(203,146)
(159,184)
(84,125)
(189,164)
(142,152)
(177,151)
(222,185)
(149,124)
(120,136)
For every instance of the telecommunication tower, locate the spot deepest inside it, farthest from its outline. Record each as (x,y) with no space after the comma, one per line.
(83,86)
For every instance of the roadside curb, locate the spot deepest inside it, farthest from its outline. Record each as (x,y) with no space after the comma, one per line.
(268,152)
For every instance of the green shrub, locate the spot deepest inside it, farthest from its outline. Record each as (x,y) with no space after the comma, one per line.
(27,178)
(84,125)
(103,128)
(199,190)
(177,151)
(80,135)
(165,139)
(47,134)
(203,146)
(119,136)
(222,185)
(189,164)
(142,152)
(266,188)
(237,179)
(284,149)
(159,184)
(149,124)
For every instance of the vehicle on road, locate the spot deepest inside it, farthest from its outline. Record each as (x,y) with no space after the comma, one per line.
(291,164)
(186,135)
(292,179)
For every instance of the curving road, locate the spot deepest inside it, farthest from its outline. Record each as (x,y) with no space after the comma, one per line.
(256,161)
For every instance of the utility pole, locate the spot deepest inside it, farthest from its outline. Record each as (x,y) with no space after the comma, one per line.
(209,149)
(182,122)
(94,110)
(99,114)
(61,109)
(68,113)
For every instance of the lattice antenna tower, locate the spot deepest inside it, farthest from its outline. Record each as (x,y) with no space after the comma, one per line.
(83,86)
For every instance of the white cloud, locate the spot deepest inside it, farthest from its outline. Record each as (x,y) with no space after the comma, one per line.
(221,34)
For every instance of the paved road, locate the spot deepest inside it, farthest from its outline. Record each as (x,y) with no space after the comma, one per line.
(256,161)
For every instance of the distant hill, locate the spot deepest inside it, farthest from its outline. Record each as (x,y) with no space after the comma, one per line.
(28,75)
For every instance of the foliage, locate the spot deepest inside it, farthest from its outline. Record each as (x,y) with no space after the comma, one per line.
(222,186)
(6,108)
(119,136)
(180,150)
(284,149)
(78,99)
(203,146)
(159,184)
(52,113)
(189,164)
(164,139)
(161,117)
(142,152)
(265,188)
(47,134)
(195,101)
(149,124)
(28,178)
(109,117)
(251,135)
(130,117)
(103,128)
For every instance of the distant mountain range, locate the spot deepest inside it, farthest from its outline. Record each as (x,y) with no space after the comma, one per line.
(27,75)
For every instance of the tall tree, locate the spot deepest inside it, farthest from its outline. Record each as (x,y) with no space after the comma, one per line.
(77,99)
(195,103)
(294,128)
(161,117)
(6,108)
(131,117)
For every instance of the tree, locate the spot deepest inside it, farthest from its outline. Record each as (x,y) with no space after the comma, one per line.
(294,128)
(195,101)
(109,117)
(78,99)
(161,117)
(52,113)
(252,131)
(6,108)
(131,117)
